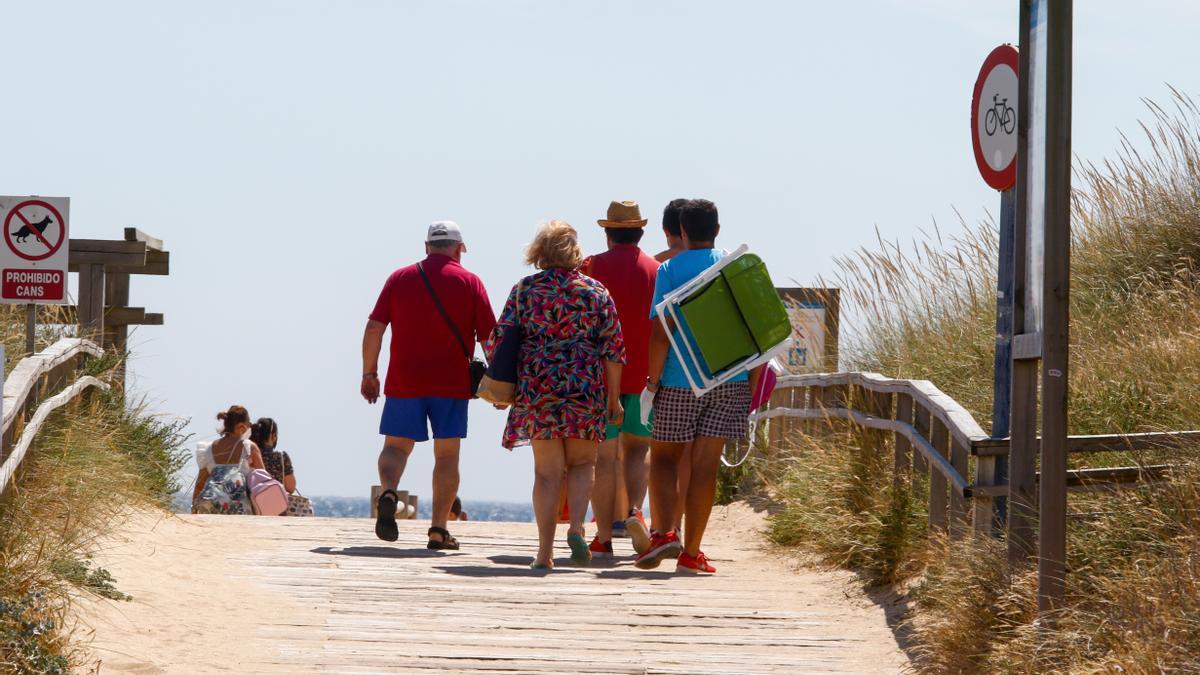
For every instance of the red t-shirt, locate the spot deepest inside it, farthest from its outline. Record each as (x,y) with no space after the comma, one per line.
(426,360)
(628,274)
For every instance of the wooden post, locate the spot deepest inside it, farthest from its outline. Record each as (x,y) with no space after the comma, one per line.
(983,517)
(903,464)
(959,455)
(879,405)
(376,490)
(919,464)
(91,301)
(787,425)
(938,490)
(775,434)
(30,328)
(830,399)
(807,400)
(116,336)
(1052,513)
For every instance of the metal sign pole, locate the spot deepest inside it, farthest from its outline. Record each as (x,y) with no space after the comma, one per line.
(1002,385)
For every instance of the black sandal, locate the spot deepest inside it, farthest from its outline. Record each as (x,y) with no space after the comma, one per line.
(448,543)
(385,523)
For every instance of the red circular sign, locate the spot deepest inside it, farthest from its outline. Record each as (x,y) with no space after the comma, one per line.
(994,118)
(27,228)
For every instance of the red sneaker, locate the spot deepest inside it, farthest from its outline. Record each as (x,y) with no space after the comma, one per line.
(635,525)
(697,564)
(662,546)
(599,550)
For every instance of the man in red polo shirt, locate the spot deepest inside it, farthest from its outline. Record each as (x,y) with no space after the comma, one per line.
(428,382)
(628,274)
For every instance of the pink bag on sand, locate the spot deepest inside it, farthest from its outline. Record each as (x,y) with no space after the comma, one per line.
(266,494)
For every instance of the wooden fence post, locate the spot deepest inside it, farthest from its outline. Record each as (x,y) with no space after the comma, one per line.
(959,457)
(903,464)
(919,464)
(116,336)
(91,301)
(808,401)
(984,516)
(938,490)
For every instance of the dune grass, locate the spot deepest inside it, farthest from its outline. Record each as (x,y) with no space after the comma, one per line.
(926,310)
(96,458)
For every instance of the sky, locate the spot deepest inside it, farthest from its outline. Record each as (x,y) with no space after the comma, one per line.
(291,154)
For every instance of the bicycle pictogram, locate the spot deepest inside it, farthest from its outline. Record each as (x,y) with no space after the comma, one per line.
(999,115)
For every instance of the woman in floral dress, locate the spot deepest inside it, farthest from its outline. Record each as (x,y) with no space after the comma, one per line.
(571,346)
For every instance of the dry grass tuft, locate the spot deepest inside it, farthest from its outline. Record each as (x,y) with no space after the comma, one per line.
(96,459)
(926,310)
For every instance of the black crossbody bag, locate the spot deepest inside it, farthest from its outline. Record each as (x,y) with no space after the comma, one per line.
(475,367)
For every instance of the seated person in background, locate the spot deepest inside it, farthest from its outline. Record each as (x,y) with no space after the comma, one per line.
(456,510)
(221,484)
(265,434)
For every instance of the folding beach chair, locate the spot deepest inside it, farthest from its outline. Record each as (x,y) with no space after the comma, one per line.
(730,320)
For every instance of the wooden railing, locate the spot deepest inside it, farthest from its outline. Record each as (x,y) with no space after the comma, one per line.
(47,380)
(947,439)
(919,416)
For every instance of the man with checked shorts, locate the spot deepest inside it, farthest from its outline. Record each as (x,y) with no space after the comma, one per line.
(680,417)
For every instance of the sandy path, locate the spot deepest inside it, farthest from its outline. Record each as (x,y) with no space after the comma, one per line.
(258,595)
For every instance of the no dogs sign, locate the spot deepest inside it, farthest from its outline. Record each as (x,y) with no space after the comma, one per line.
(33,258)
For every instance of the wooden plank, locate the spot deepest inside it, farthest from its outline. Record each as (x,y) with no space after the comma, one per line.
(107,246)
(1087,444)
(157,263)
(124,316)
(80,259)
(1027,347)
(338,589)
(91,301)
(1022,463)
(903,449)
(938,437)
(152,243)
(958,421)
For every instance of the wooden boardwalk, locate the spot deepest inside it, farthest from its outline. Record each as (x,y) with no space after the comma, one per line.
(323,595)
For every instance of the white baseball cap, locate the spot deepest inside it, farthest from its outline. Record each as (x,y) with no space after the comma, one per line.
(443,231)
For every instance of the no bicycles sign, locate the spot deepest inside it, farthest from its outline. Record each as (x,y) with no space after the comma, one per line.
(34,256)
(994,118)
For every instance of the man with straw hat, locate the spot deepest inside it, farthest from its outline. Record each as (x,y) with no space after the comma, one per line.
(628,274)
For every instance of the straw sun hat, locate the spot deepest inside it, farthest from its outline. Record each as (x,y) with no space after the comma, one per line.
(623,214)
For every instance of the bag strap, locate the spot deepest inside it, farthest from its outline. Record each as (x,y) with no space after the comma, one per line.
(442,310)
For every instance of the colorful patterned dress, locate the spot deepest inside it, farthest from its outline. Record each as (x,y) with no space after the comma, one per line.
(569,329)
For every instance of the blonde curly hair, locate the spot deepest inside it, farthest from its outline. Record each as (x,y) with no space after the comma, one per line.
(556,245)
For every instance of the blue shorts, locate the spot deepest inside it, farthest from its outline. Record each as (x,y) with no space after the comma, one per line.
(412,417)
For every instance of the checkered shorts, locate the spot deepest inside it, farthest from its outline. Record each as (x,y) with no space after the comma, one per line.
(724,412)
